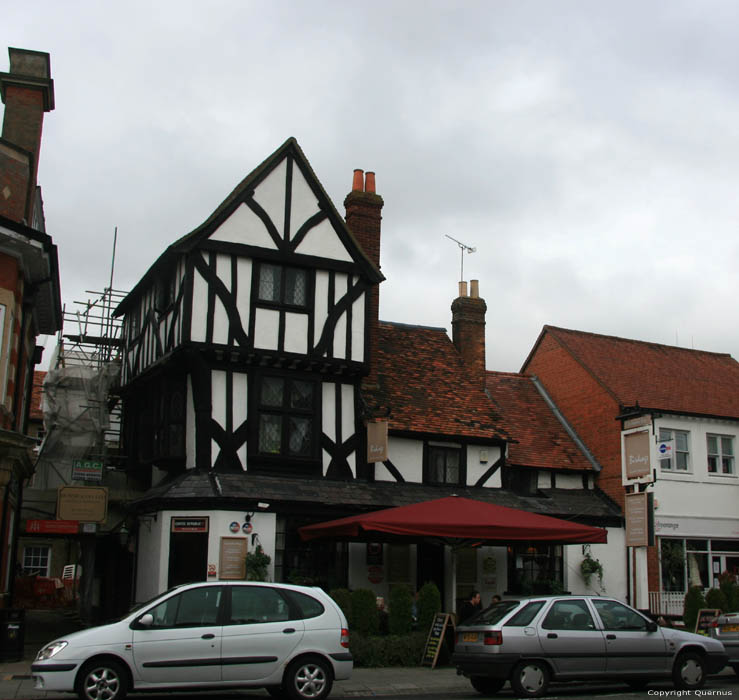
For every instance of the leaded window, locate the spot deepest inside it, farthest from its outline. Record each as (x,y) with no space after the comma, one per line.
(286,416)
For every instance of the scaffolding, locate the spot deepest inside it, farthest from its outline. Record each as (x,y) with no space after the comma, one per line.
(82,414)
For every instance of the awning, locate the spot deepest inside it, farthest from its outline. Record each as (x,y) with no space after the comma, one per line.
(456,519)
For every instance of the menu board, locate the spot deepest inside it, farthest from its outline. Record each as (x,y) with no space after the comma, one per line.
(435,638)
(232,565)
(704,620)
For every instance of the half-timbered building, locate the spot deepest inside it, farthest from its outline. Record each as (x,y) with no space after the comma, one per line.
(253,362)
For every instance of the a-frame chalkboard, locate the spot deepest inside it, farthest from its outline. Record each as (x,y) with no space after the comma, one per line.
(436,637)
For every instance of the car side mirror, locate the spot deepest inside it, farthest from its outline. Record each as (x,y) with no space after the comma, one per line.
(652,626)
(145,620)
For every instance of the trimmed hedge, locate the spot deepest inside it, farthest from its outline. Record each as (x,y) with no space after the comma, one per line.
(694,601)
(429,603)
(391,650)
(343,599)
(400,615)
(365,618)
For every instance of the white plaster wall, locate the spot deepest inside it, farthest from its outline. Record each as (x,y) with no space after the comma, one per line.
(190,427)
(296,333)
(358,329)
(240,410)
(266,328)
(323,242)
(340,337)
(476,468)
(611,555)
(303,203)
(566,481)
(244,226)
(347,411)
(320,309)
(270,195)
(153,544)
(407,456)
(199,312)
(243,291)
(328,420)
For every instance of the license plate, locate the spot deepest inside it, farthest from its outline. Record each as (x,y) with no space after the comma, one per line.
(469,637)
(730,628)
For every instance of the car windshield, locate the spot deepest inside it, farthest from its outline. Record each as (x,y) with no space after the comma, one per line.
(493,614)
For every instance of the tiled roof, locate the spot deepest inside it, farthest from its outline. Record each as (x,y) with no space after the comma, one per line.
(656,376)
(420,377)
(198,488)
(36,411)
(540,439)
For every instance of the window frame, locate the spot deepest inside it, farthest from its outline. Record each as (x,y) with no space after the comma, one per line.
(665,465)
(720,455)
(284,461)
(280,302)
(28,569)
(432,447)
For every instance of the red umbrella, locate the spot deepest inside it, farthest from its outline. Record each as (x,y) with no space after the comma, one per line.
(456,518)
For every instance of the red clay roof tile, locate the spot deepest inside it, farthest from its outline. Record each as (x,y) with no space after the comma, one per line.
(657,376)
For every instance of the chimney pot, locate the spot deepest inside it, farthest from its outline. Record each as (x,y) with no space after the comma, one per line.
(463,289)
(475,289)
(369,181)
(358,182)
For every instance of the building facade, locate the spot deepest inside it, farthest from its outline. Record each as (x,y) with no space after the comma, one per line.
(624,398)
(29,282)
(254,368)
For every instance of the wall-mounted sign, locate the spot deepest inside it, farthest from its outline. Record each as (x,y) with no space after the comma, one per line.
(53,527)
(377,441)
(665,449)
(638,512)
(84,503)
(234,527)
(85,470)
(637,448)
(374,553)
(246,528)
(189,524)
(211,570)
(233,558)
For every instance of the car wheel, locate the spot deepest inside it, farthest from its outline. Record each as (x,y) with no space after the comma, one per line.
(308,679)
(102,680)
(487,686)
(689,671)
(530,679)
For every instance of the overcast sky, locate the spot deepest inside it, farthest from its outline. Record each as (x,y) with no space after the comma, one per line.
(589,151)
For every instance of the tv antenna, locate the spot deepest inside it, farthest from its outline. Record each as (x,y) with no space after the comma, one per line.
(462,248)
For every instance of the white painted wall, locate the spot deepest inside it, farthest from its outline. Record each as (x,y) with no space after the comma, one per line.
(611,555)
(407,456)
(152,556)
(476,467)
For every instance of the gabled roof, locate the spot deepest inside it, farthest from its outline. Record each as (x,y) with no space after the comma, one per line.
(242,193)
(652,376)
(540,437)
(418,375)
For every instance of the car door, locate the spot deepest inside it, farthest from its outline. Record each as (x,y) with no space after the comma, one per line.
(632,643)
(181,643)
(259,633)
(569,638)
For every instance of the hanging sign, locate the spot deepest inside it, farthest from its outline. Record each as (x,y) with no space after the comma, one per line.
(637,448)
(639,515)
(377,441)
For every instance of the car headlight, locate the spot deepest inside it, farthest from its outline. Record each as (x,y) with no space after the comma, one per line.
(50,650)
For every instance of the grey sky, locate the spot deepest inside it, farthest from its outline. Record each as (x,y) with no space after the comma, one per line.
(588,150)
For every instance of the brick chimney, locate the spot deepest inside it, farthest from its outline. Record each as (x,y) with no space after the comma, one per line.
(363,217)
(468,329)
(27,91)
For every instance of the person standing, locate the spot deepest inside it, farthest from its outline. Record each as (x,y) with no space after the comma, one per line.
(470,607)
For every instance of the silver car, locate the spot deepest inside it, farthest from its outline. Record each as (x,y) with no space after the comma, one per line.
(291,640)
(725,628)
(534,641)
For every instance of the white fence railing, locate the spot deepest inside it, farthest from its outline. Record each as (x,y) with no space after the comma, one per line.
(666,603)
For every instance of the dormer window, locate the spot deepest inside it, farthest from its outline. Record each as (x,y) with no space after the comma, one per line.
(286,286)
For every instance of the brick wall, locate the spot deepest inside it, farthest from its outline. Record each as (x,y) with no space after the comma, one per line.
(589,408)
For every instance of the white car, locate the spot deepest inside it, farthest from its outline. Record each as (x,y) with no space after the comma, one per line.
(291,640)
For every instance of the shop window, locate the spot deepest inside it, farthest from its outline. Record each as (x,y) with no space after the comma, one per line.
(672,559)
(535,569)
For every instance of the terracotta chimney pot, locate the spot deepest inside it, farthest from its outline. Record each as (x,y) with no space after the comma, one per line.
(358,182)
(463,289)
(369,182)
(475,289)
